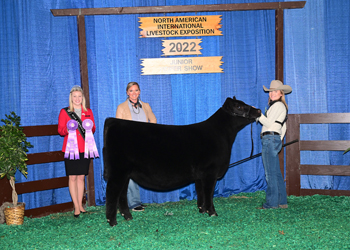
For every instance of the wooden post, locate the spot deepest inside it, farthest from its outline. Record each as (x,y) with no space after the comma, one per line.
(85,86)
(279,63)
(279,44)
(293,156)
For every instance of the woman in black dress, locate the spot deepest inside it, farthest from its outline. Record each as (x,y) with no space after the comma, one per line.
(76,169)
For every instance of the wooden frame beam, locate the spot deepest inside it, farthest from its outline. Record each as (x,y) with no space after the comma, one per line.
(80,13)
(178,8)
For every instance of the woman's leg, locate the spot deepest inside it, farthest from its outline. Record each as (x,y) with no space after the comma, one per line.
(271,145)
(73,190)
(81,188)
(133,195)
(282,198)
(76,190)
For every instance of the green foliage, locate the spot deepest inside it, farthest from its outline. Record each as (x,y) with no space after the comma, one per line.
(346,151)
(13,147)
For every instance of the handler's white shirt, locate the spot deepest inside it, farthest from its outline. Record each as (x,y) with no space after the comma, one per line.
(277,112)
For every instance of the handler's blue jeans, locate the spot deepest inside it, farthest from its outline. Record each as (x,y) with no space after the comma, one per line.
(276,193)
(133,195)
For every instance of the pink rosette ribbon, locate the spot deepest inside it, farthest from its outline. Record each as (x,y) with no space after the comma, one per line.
(72,142)
(90,145)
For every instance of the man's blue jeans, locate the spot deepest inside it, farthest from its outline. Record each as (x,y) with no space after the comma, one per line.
(133,194)
(276,193)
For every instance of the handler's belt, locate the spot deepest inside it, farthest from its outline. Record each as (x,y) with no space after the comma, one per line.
(268,133)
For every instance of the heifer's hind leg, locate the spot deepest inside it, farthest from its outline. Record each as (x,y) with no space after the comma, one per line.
(112,197)
(113,189)
(116,196)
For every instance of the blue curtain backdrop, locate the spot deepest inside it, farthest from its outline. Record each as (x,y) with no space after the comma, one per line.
(39,63)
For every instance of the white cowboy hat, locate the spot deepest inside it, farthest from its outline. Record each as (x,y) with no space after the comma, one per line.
(278,85)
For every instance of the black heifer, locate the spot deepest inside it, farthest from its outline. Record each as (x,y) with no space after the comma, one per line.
(166,157)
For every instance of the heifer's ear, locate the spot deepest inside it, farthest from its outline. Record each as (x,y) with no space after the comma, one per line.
(234,98)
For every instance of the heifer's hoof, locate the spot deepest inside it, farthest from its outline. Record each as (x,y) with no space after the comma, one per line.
(127,216)
(212,214)
(112,223)
(201,210)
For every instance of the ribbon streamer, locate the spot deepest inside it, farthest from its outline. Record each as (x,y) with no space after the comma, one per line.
(90,145)
(72,142)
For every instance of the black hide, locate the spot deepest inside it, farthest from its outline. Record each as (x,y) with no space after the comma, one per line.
(167,157)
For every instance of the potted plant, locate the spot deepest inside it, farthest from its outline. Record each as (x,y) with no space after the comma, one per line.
(346,151)
(13,156)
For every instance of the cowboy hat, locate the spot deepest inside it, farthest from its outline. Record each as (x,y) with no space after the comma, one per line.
(278,85)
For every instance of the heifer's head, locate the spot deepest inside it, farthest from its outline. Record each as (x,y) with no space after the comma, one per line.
(238,108)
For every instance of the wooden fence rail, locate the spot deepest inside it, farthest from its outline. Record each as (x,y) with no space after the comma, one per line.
(293,167)
(46,184)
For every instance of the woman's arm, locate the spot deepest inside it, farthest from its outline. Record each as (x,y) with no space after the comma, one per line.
(93,120)
(151,117)
(62,123)
(119,113)
(275,113)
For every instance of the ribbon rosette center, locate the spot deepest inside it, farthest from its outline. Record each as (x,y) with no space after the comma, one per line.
(90,145)
(72,141)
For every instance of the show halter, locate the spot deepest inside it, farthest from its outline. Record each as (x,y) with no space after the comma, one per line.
(72,141)
(244,114)
(90,145)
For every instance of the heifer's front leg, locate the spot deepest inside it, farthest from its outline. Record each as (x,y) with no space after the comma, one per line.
(123,202)
(200,198)
(208,192)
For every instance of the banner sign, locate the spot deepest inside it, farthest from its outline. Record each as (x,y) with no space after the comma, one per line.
(181,47)
(170,26)
(183,65)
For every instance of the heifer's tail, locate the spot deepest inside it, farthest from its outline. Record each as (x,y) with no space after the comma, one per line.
(106,164)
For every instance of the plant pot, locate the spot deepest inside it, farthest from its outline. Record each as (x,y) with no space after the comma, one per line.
(15,215)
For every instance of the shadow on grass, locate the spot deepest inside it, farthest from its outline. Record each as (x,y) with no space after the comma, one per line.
(310,222)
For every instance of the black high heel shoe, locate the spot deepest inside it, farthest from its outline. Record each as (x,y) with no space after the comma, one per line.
(76,215)
(83,212)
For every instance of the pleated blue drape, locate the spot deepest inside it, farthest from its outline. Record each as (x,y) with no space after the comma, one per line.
(40,63)
(317,67)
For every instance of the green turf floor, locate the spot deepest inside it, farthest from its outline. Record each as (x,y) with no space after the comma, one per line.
(310,222)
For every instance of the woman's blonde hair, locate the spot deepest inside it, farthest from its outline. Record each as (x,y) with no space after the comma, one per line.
(83,103)
(130,84)
(283,99)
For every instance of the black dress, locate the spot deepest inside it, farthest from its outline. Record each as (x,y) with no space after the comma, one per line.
(77,167)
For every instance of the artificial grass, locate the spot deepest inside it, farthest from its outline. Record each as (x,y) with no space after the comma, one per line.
(310,222)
